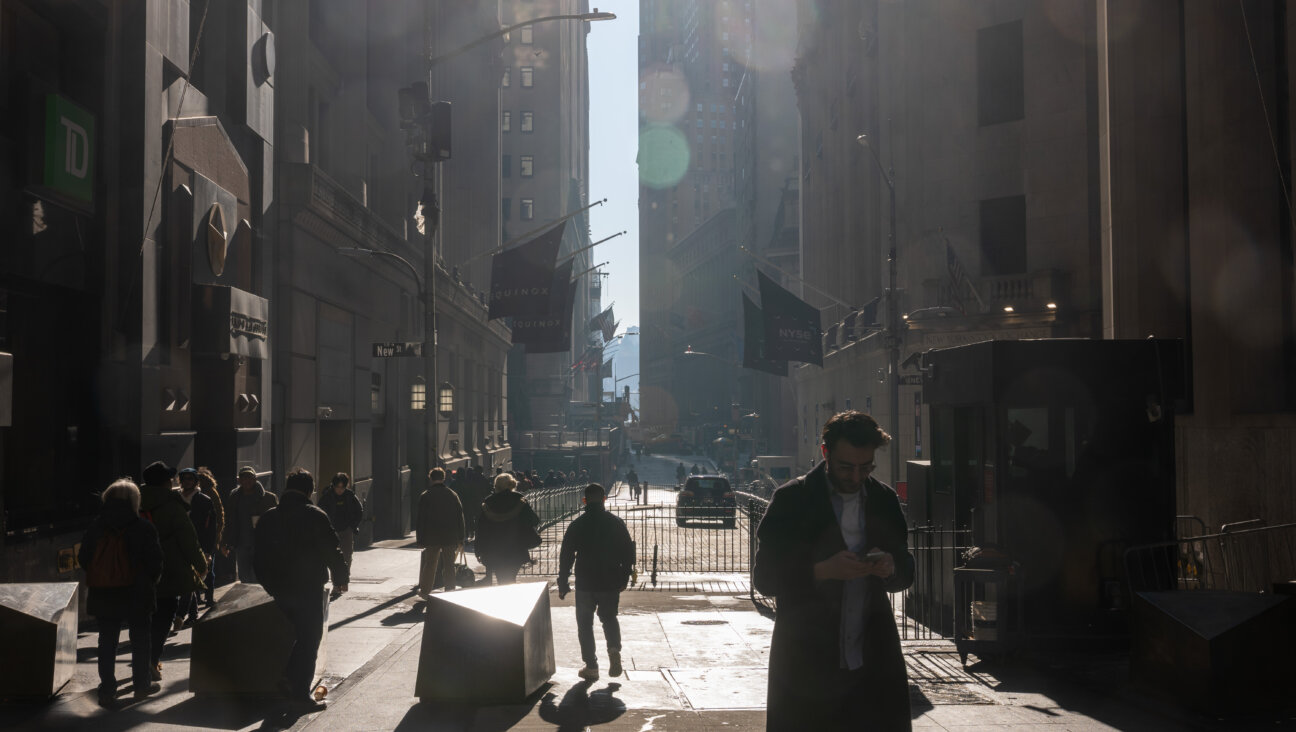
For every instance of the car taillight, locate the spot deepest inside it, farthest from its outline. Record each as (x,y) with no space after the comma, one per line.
(686,494)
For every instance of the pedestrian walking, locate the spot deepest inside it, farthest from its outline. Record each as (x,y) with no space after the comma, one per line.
(202,514)
(296,551)
(633,479)
(246,505)
(440,531)
(183,563)
(681,473)
(506,531)
(207,483)
(345,512)
(831,546)
(604,554)
(122,560)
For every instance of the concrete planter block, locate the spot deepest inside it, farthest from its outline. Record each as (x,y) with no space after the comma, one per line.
(38,632)
(488,645)
(242,645)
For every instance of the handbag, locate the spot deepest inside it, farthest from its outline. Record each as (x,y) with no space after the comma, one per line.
(464,575)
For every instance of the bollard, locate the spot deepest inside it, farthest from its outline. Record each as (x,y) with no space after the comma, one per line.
(654,567)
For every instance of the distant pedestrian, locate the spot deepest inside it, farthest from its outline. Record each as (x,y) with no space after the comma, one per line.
(440,531)
(207,483)
(681,473)
(480,490)
(695,470)
(122,560)
(246,505)
(183,563)
(505,520)
(632,478)
(345,512)
(202,514)
(296,551)
(604,554)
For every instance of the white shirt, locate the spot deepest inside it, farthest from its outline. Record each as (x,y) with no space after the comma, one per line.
(850,521)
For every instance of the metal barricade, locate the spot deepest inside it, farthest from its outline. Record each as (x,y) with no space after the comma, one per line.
(1247,560)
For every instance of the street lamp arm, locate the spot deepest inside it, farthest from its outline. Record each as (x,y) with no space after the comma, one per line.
(356,251)
(863,140)
(505,31)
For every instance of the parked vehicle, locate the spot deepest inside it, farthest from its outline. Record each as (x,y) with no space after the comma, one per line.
(706,497)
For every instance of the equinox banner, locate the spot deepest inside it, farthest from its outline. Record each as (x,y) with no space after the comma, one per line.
(521,276)
(548,329)
(754,341)
(791,325)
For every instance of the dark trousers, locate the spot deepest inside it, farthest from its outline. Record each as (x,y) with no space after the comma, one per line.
(109,634)
(305,611)
(162,619)
(605,603)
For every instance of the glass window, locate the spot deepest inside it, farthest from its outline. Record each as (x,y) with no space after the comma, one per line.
(506,208)
(527,77)
(526,209)
(528,121)
(506,165)
(524,35)
(526,166)
(1000,77)
(507,79)
(506,121)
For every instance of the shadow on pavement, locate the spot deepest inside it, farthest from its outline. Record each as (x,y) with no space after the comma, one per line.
(581,708)
(449,717)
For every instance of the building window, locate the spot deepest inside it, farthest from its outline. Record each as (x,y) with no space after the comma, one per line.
(506,165)
(1003,236)
(506,121)
(524,35)
(526,209)
(526,166)
(528,121)
(506,208)
(527,74)
(1000,78)
(507,79)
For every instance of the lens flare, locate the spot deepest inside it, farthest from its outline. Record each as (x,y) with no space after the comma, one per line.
(663,156)
(663,95)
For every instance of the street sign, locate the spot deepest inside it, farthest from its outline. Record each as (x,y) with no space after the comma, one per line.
(398,350)
(911,380)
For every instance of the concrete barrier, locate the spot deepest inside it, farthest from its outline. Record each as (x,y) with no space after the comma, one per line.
(38,632)
(486,645)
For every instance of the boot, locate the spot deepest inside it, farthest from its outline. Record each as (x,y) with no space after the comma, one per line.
(614,663)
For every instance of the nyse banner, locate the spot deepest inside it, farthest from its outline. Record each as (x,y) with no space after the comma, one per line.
(792,330)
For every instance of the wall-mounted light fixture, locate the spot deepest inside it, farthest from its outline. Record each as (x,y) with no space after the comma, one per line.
(418,394)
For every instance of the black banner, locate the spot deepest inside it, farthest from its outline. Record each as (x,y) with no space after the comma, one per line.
(549,328)
(792,330)
(754,341)
(521,276)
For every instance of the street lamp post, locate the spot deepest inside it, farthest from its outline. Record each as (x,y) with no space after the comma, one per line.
(893,309)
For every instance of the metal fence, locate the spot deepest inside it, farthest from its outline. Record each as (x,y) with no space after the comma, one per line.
(1246,559)
(699,540)
(926,608)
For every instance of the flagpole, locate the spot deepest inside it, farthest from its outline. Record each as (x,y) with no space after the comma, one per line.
(789,275)
(591,246)
(531,233)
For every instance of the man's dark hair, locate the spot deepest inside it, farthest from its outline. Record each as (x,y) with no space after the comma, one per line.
(856,428)
(594,492)
(300,480)
(342,478)
(436,475)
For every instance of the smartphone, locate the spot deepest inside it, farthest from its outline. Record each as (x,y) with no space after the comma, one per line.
(875,556)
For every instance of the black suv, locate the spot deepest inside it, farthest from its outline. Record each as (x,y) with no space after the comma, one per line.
(707,497)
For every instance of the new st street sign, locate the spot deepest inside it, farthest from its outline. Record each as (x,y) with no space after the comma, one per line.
(398,350)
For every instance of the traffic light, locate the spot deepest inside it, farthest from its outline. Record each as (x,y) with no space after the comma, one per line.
(439,131)
(426,124)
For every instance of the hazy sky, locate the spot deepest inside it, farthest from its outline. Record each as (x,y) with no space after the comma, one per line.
(614,140)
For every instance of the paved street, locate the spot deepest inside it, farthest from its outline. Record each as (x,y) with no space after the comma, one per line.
(695,651)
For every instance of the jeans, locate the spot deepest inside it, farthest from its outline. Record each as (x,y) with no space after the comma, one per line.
(162,619)
(139,634)
(243,558)
(605,602)
(346,540)
(305,611)
(428,567)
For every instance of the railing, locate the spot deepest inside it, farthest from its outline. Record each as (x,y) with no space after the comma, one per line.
(1246,560)
(927,607)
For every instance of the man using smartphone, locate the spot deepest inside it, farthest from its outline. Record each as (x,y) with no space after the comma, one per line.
(831,546)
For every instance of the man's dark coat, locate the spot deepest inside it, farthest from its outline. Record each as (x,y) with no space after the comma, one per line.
(805,679)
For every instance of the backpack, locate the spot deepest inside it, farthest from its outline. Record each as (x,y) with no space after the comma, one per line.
(111,565)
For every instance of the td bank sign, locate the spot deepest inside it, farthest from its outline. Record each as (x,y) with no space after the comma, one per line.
(69,149)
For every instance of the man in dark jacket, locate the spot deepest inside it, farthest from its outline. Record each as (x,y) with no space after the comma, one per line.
(202,514)
(183,563)
(124,594)
(604,554)
(344,510)
(246,504)
(831,546)
(296,550)
(440,531)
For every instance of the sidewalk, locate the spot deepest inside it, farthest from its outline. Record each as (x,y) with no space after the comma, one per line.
(695,652)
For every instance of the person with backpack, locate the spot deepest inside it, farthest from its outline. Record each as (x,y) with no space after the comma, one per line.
(506,531)
(122,560)
(183,562)
(296,551)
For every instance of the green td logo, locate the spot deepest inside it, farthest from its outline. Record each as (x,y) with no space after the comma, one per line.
(69,151)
